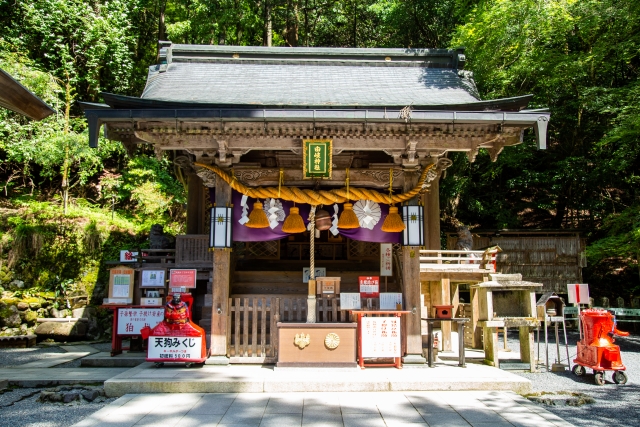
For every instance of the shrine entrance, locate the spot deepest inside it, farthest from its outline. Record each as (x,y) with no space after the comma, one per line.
(268,287)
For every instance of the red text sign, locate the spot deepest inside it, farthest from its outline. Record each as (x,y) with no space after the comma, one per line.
(182,278)
(369,286)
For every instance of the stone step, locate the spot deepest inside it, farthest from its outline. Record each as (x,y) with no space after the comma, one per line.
(176,378)
(105,360)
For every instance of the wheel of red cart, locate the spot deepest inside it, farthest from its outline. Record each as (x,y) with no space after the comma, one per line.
(599,377)
(578,370)
(619,377)
(159,364)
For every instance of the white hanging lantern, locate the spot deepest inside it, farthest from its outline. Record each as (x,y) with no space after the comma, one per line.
(220,229)
(413,218)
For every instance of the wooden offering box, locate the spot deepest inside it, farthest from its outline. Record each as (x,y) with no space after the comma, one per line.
(328,285)
(330,345)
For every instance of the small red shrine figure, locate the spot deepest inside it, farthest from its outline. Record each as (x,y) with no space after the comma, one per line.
(176,311)
(180,336)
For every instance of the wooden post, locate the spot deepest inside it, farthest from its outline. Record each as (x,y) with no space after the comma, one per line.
(196,205)
(221,282)
(432,216)
(445,284)
(411,289)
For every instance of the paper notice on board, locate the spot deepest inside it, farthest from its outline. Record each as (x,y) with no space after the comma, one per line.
(380,337)
(390,300)
(121,285)
(349,301)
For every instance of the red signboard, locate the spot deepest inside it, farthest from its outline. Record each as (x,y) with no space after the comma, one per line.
(369,286)
(182,278)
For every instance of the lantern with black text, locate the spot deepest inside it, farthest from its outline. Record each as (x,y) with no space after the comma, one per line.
(413,218)
(220,230)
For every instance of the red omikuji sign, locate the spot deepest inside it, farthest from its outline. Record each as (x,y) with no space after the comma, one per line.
(183,278)
(369,286)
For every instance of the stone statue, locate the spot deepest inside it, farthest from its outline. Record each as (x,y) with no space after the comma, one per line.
(465,239)
(159,240)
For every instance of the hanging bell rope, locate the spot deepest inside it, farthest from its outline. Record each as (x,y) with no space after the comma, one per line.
(321,197)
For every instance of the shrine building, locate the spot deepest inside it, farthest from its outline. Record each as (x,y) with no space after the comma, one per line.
(309,134)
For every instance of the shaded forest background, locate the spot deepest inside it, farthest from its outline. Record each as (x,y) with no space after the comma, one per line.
(65,208)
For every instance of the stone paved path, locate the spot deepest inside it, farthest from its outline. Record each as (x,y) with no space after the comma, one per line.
(434,409)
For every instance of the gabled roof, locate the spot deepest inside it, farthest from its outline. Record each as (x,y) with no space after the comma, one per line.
(241,76)
(15,97)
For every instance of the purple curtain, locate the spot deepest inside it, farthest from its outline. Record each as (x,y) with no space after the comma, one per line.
(242,233)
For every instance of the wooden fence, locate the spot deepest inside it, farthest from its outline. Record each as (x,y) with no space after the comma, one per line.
(252,331)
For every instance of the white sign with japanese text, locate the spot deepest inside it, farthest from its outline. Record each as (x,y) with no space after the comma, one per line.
(578,293)
(128,256)
(175,348)
(349,301)
(381,337)
(131,320)
(390,300)
(386,259)
(153,279)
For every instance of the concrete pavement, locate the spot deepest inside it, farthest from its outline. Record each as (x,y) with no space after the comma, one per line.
(434,409)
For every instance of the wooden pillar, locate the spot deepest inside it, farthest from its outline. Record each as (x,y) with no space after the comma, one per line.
(221,282)
(431,202)
(196,205)
(411,289)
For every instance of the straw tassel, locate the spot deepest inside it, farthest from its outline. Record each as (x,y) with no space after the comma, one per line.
(294,222)
(257,217)
(348,218)
(393,222)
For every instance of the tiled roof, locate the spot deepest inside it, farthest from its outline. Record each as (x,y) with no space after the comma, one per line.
(308,85)
(310,77)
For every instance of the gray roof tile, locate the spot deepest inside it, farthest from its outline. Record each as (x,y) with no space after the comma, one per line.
(304,84)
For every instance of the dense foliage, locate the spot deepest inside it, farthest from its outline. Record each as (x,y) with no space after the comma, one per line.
(580,59)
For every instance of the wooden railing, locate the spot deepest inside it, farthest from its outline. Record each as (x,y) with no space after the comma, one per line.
(192,250)
(163,256)
(458,260)
(252,332)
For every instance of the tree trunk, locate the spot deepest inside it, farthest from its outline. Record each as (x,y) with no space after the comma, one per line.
(291,31)
(268,24)
(161,26)
(65,163)
(355,23)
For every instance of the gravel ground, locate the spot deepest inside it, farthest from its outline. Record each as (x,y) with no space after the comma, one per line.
(19,407)
(617,405)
